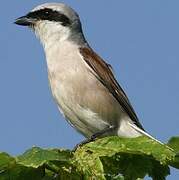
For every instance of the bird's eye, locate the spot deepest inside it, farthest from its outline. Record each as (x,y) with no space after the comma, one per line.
(47,13)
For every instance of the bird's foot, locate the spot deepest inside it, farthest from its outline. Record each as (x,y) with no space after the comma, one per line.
(94,137)
(83,143)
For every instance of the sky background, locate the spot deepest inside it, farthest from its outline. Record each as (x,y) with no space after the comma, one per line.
(140,39)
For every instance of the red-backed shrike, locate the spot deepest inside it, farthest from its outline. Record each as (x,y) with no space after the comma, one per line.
(83,85)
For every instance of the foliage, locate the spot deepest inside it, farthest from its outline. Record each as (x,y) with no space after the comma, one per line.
(108,158)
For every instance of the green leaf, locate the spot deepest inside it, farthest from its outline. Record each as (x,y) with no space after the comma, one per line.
(5,161)
(38,164)
(174,143)
(55,162)
(134,158)
(36,156)
(111,158)
(9,169)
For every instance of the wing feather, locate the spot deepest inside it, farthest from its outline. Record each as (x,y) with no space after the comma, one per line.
(103,72)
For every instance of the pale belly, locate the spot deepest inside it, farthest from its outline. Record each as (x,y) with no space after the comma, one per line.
(85,103)
(81,97)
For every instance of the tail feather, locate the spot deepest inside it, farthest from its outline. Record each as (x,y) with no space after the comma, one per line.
(144,133)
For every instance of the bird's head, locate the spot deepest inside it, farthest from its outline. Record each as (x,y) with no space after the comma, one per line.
(53,22)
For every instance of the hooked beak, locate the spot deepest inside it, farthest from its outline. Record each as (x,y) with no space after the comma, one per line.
(25,21)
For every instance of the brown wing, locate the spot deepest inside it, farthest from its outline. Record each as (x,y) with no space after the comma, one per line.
(104,74)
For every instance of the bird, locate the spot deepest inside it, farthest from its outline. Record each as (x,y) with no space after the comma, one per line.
(83,85)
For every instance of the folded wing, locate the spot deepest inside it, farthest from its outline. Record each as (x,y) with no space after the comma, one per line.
(103,72)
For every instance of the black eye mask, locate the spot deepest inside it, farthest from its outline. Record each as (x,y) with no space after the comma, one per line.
(50,15)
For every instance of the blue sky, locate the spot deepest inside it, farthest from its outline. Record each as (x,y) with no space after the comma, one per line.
(140,39)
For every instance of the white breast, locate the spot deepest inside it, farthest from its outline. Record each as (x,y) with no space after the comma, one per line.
(83,100)
(70,83)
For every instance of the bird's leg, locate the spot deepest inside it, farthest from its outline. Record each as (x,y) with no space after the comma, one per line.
(100,133)
(94,137)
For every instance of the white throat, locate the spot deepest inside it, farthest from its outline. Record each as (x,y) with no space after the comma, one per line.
(61,43)
(51,33)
